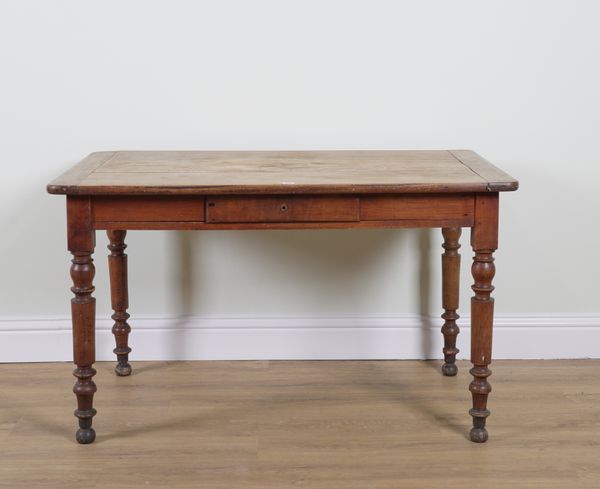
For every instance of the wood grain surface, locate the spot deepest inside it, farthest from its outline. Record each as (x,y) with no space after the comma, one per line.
(280,211)
(284,208)
(277,172)
(308,424)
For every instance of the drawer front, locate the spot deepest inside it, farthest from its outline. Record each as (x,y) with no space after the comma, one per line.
(282,209)
(434,207)
(148,209)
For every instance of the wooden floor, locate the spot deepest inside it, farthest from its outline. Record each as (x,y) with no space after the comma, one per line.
(346,425)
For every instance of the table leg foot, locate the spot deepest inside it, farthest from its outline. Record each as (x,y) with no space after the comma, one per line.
(123,369)
(85,436)
(478,435)
(84,390)
(449,369)
(480,388)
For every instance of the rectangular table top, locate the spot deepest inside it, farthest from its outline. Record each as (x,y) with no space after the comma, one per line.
(281,172)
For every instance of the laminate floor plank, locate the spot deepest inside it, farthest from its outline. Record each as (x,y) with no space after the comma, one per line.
(309,424)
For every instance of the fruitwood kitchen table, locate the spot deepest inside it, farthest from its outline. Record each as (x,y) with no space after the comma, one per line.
(205,190)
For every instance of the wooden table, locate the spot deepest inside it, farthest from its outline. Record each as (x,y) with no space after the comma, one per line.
(205,190)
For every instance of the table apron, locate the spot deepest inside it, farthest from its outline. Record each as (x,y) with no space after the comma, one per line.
(282,212)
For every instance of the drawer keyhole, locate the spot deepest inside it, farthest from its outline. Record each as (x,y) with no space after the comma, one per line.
(284,207)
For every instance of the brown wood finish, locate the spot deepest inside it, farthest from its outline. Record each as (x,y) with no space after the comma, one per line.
(450,295)
(498,180)
(278,172)
(217,190)
(81,243)
(117,267)
(308,211)
(484,241)
(206,226)
(76,174)
(148,208)
(433,207)
(285,208)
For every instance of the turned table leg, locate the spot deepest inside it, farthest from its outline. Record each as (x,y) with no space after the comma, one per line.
(117,266)
(81,244)
(484,240)
(450,294)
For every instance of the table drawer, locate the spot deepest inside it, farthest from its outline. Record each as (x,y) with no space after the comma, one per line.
(227,209)
(157,208)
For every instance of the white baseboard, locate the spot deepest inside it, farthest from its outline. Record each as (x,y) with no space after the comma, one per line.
(245,338)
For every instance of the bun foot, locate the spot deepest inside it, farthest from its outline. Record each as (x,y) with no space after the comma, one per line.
(449,369)
(123,369)
(85,436)
(479,435)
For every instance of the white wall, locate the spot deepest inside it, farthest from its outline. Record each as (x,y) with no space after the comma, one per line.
(516,81)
